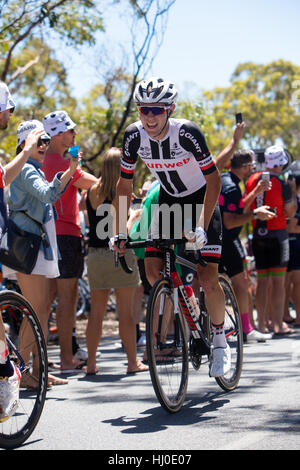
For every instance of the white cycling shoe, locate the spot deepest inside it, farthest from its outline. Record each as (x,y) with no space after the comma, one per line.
(220,361)
(9,395)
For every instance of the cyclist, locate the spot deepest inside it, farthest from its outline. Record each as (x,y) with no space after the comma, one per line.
(9,373)
(176,153)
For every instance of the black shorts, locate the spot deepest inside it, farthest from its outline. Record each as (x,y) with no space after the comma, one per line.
(294,261)
(72,256)
(233,257)
(271,252)
(184,214)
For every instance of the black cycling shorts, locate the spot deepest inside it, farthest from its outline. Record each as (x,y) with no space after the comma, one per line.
(271,252)
(233,257)
(184,214)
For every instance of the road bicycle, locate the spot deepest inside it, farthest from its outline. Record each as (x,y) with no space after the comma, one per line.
(178,328)
(27,349)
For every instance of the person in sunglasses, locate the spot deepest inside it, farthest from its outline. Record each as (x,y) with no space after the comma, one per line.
(31,200)
(176,153)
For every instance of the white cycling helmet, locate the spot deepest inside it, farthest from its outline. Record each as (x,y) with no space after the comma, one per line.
(155,90)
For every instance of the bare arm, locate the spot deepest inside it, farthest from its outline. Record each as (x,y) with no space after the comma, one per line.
(228,151)
(85,181)
(232,220)
(213,188)
(121,203)
(13,168)
(259,188)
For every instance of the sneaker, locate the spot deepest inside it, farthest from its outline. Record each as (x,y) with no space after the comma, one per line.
(257,336)
(9,395)
(141,341)
(220,361)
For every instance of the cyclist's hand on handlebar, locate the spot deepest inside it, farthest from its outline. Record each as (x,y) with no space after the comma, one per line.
(199,239)
(118,243)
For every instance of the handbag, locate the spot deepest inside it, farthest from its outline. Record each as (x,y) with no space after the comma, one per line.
(19,249)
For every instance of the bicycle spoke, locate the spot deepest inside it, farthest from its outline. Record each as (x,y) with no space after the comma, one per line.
(167,349)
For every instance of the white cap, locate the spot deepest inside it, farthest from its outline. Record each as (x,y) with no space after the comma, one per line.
(275,156)
(26,127)
(6,101)
(58,122)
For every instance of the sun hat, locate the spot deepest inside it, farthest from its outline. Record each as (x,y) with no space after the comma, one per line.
(275,156)
(26,127)
(58,122)
(6,101)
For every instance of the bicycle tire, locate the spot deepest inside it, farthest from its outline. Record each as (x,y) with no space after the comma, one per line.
(27,348)
(234,337)
(167,348)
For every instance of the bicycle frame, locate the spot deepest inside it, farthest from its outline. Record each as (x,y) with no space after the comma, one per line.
(171,274)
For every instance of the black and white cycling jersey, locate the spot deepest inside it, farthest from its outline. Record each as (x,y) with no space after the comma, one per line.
(179,161)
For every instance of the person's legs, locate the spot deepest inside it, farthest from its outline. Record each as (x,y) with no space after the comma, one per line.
(277,297)
(65,315)
(99,300)
(34,287)
(127,329)
(295,294)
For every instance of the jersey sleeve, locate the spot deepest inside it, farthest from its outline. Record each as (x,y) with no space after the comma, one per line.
(231,201)
(192,140)
(131,144)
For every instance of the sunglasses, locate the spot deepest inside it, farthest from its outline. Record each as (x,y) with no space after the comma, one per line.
(44,140)
(155,110)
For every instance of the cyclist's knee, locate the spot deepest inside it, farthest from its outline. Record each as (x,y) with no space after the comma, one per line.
(153,267)
(208,278)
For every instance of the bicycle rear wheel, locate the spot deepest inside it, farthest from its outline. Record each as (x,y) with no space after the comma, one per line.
(27,349)
(234,337)
(167,348)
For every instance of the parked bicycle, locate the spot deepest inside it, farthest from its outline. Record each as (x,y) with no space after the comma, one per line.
(177,330)
(27,349)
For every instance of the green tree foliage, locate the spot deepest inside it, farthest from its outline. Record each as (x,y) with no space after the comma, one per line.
(265,94)
(74,21)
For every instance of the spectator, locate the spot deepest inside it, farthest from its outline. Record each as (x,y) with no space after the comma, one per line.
(293,271)
(62,132)
(102,272)
(31,198)
(270,242)
(9,374)
(234,217)
(144,287)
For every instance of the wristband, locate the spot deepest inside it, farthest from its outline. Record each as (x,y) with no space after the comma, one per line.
(255,215)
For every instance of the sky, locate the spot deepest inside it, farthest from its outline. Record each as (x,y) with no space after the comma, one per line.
(206,40)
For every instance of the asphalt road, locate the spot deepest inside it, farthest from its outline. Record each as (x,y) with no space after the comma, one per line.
(116,412)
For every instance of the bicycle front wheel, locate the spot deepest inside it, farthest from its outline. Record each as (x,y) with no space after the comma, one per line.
(27,349)
(234,337)
(167,348)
